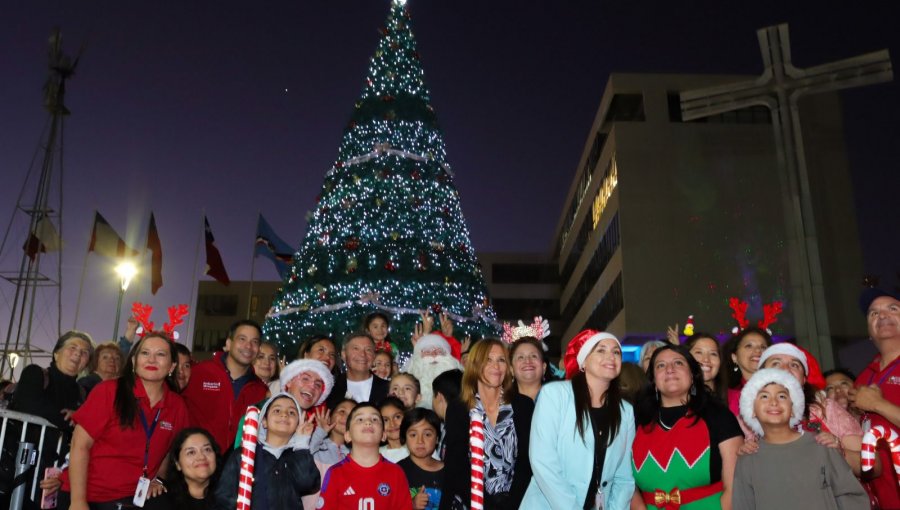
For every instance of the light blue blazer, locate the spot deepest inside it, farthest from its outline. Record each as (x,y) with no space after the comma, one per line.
(563,463)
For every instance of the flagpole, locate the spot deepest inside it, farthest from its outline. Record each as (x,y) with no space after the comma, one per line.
(252,265)
(87,253)
(194,281)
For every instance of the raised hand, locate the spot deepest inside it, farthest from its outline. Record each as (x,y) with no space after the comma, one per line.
(446,324)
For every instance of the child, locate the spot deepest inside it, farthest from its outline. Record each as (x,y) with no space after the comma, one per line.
(383,365)
(327,443)
(790,470)
(407,388)
(425,474)
(392,409)
(364,479)
(284,469)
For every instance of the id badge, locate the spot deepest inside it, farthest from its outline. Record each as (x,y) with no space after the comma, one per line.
(140,492)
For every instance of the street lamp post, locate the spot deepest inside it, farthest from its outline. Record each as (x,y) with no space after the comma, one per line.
(126,272)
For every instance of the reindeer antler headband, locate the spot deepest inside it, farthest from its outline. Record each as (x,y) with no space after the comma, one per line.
(142,314)
(739,312)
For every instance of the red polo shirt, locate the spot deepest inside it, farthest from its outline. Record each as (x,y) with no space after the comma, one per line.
(888,380)
(117,456)
(212,403)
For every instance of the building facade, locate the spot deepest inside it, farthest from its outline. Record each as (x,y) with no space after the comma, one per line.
(667,218)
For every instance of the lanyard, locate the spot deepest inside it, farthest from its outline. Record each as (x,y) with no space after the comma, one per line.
(148,430)
(883,378)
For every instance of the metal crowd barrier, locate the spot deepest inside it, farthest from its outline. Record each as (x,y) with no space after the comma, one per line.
(27,453)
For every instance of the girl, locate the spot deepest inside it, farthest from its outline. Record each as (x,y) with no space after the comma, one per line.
(420,430)
(392,409)
(407,388)
(378,325)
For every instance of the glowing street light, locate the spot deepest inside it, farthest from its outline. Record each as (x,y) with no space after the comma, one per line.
(126,271)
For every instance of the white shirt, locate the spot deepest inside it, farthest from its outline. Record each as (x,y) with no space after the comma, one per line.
(359,390)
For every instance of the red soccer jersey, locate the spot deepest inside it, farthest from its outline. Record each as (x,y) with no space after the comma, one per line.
(349,486)
(117,456)
(888,380)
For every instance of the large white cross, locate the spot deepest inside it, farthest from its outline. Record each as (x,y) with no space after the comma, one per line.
(779,88)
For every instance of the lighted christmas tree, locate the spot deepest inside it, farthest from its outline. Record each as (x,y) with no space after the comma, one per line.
(388,233)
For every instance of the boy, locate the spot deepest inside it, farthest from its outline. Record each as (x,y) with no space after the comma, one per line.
(364,479)
(419,430)
(790,470)
(284,469)
(327,443)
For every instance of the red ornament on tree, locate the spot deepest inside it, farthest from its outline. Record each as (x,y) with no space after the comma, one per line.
(390,266)
(437,308)
(416,175)
(351,243)
(387,98)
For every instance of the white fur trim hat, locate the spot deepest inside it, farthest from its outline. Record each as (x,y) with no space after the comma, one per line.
(785,348)
(431,341)
(760,380)
(300,366)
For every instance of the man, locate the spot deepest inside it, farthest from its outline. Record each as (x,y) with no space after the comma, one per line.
(358,383)
(221,389)
(432,356)
(878,385)
(307,380)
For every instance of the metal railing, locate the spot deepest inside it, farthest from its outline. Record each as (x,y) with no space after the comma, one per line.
(27,453)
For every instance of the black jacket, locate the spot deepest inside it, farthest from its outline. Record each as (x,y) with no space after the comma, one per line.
(277,483)
(380,389)
(457,465)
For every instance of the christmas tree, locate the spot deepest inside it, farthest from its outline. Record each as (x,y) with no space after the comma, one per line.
(388,233)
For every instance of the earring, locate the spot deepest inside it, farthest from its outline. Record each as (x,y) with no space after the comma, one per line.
(693,390)
(736,368)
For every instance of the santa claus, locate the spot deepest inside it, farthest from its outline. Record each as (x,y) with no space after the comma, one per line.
(431,357)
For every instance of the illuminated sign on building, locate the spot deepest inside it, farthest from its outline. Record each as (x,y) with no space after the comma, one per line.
(610,180)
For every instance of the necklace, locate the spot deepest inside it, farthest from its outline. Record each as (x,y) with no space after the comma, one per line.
(663,425)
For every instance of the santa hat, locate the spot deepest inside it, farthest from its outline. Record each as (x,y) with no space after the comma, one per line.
(301,366)
(760,380)
(785,349)
(814,376)
(580,347)
(431,341)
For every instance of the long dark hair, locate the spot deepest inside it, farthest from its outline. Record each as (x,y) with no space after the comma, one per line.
(176,485)
(720,390)
(733,373)
(609,425)
(646,409)
(125,404)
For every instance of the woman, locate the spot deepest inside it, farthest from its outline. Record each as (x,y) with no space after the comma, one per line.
(53,393)
(582,432)
(378,325)
(106,364)
(267,367)
(383,366)
(124,430)
(193,469)
(707,351)
(647,350)
(742,354)
(676,412)
(529,366)
(506,417)
(832,424)
(320,348)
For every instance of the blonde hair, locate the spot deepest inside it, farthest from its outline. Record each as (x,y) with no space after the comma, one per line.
(478,358)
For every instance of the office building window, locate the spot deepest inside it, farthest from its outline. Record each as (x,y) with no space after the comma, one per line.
(218,305)
(626,108)
(748,115)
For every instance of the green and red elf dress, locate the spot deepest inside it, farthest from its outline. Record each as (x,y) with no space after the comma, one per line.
(676,460)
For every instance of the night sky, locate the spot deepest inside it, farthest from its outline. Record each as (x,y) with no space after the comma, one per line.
(233,108)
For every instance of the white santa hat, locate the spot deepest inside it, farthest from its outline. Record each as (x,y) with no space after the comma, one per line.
(431,341)
(760,380)
(300,366)
(787,349)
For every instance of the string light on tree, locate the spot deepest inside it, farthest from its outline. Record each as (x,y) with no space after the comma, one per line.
(387,232)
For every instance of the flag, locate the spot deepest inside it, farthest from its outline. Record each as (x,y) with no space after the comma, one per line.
(154,246)
(44,238)
(214,265)
(270,246)
(105,241)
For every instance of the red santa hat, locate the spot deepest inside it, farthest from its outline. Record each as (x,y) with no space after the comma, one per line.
(432,340)
(579,348)
(301,366)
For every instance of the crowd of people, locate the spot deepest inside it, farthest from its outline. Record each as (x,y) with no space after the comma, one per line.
(695,424)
